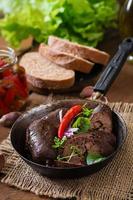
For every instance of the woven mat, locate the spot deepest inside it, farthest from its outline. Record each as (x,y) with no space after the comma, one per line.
(114,182)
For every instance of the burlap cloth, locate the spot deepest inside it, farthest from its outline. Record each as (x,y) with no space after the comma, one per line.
(114,182)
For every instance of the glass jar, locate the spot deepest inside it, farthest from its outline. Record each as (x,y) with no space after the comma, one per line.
(13,85)
(126,22)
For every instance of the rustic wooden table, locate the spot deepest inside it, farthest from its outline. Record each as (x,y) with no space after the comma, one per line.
(121,90)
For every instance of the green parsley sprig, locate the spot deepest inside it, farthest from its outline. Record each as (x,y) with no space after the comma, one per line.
(75,152)
(87,112)
(59,143)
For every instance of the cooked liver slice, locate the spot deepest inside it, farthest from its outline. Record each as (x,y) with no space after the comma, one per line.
(99,138)
(97,142)
(102,120)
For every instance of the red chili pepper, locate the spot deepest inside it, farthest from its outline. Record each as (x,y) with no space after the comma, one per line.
(70,114)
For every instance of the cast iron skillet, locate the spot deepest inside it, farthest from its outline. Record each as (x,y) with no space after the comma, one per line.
(18,131)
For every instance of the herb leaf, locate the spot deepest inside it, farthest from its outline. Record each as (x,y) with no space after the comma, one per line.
(82,123)
(93,158)
(87,112)
(65,158)
(58,143)
(75,152)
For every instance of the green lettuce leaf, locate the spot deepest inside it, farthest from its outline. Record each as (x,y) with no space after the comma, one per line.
(80,21)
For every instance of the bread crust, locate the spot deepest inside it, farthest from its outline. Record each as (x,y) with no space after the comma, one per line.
(35,64)
(88,53)
(66,60)
(48,84)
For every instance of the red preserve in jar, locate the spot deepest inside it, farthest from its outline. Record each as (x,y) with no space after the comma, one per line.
(13,85)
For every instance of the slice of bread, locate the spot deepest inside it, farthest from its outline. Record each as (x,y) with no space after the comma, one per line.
(65,60)
(85,52)
(42,73)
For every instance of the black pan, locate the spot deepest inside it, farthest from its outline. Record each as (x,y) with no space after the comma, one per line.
(18,131)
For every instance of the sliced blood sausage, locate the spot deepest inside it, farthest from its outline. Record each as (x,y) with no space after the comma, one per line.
(40,136)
